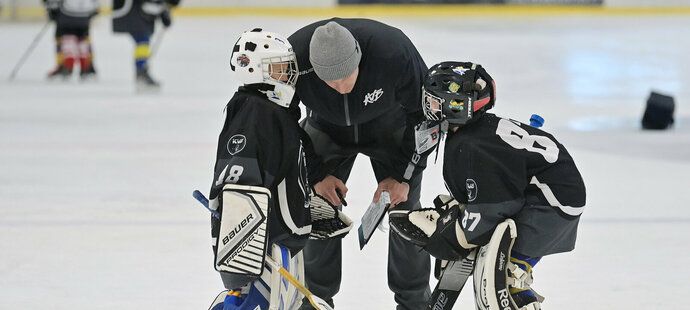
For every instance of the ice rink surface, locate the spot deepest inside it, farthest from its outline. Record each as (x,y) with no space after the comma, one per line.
(95,181)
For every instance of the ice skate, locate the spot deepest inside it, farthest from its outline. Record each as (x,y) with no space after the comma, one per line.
(59,73)
(87,74)
(145,83)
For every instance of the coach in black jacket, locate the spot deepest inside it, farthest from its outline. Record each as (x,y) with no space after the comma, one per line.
(361,83)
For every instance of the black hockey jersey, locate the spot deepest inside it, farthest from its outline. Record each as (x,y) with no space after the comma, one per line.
(385,98)
(260,145)
(129,16)
(498,166)
(73,13)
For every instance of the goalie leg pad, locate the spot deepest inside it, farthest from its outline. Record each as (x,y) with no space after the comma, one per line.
(491,270)
(281,291)
(269,291)
(498,282)
(242,242)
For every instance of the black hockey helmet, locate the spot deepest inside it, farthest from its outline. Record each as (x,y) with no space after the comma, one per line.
(457,92)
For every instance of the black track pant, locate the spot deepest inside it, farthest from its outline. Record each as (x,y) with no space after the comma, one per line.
(408,266)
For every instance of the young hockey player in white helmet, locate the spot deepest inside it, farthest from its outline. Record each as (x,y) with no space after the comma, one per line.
(260,196)
(516,192)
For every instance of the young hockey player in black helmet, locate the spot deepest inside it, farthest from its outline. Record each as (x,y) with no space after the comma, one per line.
(497,170)
(260,194)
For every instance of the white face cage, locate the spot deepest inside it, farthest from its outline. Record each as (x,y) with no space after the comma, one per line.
(432,106)
(281,70)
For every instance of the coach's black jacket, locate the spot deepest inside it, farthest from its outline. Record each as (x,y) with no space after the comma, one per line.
(128,16)
(386,97)
(260,145)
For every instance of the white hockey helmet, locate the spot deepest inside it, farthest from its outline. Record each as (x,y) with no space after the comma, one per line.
(267,59)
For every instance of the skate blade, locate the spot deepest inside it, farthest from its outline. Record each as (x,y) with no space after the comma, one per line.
(88,79)
(148,89)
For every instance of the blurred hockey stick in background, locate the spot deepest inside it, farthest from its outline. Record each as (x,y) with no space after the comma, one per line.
(156,44)
(158,39)
(28,51)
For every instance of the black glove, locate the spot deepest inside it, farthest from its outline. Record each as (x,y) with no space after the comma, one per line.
(166,19)
(52,8)
(433,229)
(53,14)
(443,243)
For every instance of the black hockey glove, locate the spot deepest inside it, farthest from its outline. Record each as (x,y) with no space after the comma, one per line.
(53,14)
(445,202)
(327,220)
(52,8)
(433,229)
(166,19)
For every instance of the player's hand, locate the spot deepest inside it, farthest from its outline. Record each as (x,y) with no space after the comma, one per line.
(327,189)
(397,190)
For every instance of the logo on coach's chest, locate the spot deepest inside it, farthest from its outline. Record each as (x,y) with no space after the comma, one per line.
(373,96)
(236,144)
(471,187)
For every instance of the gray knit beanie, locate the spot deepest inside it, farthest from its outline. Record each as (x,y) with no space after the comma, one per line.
(333,52)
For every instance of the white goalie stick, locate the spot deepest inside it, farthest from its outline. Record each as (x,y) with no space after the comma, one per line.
(315,301)
(451,280)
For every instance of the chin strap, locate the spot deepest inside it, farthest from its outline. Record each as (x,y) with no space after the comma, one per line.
(442,132)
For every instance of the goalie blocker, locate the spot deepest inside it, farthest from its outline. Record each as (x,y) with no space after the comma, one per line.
(242,242)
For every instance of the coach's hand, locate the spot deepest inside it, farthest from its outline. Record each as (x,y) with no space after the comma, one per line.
(327,189)
(397,190)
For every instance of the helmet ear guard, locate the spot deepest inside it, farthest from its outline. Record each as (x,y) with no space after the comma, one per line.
(457,92)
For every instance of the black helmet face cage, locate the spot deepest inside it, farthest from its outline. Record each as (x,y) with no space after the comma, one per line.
(458,87)
(432,106)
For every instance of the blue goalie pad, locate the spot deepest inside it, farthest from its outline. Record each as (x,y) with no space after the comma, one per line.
(254,299)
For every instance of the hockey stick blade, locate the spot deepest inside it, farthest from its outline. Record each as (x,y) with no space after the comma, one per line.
(452,280)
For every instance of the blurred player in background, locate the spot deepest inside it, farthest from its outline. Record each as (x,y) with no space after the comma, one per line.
(72,44)
(138,19)
(496,169)
(361,83)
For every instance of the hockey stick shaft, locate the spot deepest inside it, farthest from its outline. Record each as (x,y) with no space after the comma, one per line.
(155,46)
(204,201)
(28,51)
(315,301)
